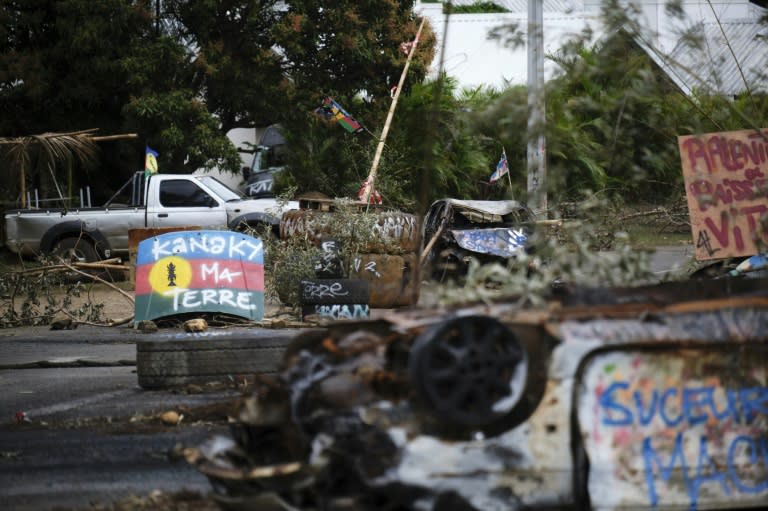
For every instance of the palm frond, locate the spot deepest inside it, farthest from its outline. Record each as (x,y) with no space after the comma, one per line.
(52,148)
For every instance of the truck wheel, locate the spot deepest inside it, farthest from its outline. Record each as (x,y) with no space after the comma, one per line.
(75,250)
(80,250)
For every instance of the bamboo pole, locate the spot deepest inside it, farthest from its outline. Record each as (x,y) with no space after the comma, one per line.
(106,138)
(84,133)
(369,182)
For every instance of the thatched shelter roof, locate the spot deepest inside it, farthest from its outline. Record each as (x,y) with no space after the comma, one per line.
(52,148)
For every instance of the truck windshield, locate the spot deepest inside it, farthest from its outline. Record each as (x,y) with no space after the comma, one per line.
(223,191)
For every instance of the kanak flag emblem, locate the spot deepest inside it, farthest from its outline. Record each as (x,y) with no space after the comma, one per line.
(200,271)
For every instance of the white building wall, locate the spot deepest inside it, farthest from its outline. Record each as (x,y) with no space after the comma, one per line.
(240,137)
(474,60)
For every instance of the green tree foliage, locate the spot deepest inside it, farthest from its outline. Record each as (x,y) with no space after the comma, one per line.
(68,65)
(329,160)
(612,122)
(183,80)
(235,66)
(354,52)
(349,49)
(613,118)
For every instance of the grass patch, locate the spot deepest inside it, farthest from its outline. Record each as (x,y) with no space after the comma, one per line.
(643,236)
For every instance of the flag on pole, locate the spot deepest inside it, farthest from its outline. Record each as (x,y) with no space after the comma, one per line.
(333,112)
(501,168)
(150,161)
(374,197)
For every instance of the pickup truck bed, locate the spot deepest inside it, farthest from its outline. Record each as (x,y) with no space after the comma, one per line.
(160,201)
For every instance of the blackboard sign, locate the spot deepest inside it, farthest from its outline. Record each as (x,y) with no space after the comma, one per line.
(334,298)
(337,311)
(200,271)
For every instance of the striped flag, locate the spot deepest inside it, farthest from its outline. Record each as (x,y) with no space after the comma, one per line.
(331,111)
(501,168)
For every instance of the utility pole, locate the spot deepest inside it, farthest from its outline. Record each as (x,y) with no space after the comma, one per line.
(537,156)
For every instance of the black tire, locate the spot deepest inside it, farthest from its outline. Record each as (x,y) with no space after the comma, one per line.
(260,230)
(172,362)
(75,249)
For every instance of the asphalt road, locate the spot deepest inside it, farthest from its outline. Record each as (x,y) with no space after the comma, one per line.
(90,433)
(49,468)
(93,435)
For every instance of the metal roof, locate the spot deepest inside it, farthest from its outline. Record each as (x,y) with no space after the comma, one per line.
(517,6)
(549,5)
(727,59)
(732,56)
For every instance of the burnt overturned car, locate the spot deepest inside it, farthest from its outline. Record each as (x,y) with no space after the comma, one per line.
(455,231)
(652,397)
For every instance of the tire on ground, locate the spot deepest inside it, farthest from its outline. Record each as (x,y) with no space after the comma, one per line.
(391,278)
(392,230)
(172,362)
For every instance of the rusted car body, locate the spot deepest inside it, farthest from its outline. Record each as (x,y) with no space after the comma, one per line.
(645,398)
(456,230)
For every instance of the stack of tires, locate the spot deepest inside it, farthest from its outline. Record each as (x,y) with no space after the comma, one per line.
(389,262)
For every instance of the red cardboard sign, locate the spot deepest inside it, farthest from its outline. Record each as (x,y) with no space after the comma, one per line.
(725,178)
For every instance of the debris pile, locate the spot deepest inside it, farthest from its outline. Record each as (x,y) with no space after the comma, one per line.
(491,407)
(332,431)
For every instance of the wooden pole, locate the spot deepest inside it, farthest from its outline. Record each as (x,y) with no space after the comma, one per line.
(369,183)
(23,186)
(506,161)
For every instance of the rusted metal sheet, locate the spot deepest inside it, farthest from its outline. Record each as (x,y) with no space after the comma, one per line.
(682,428)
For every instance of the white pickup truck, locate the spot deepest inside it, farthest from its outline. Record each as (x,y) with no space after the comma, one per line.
(157,201)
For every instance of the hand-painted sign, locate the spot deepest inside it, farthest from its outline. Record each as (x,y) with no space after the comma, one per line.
(200,271)
(725,182)
(682,429)
(334,298)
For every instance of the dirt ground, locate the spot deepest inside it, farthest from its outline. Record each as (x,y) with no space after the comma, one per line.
(114,301)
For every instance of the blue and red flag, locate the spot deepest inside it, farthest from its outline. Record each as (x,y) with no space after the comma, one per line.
(501,168)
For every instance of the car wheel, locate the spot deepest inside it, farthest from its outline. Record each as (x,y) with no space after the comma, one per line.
(469,373)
